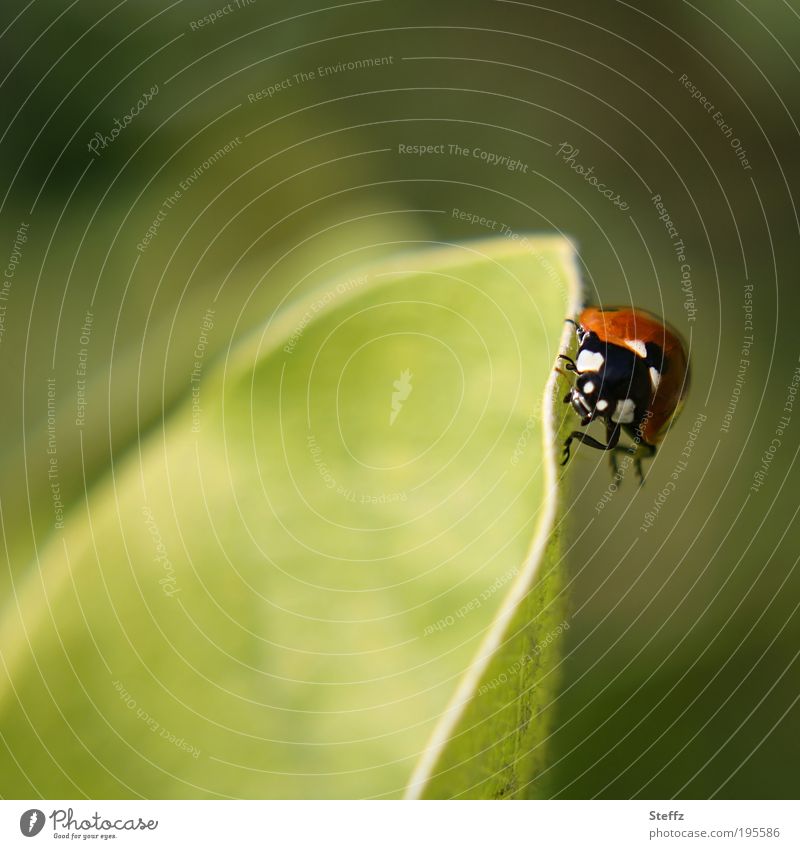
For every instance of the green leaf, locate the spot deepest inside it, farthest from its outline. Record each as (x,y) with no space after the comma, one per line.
(491,740)
(279,593)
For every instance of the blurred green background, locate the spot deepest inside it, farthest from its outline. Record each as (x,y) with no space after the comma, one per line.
(679,671)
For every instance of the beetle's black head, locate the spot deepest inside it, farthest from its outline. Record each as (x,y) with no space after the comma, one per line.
(588,397)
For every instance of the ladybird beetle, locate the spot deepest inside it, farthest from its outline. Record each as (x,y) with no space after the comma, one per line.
(633,373)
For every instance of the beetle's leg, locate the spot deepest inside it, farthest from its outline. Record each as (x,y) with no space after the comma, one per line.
(644,450)
(640,451)
(612,438)
(630,450)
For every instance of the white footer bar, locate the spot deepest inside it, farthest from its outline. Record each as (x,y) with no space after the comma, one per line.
(402,825)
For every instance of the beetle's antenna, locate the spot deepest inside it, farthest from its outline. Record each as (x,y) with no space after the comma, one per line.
(570,362)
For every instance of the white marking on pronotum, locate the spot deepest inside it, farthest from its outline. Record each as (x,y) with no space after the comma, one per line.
(588,387)
(602,404)
(589,361)
(624,412)
(637,346)
(655,377)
